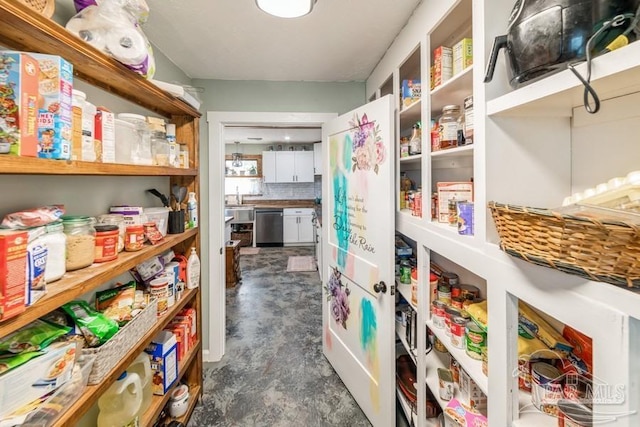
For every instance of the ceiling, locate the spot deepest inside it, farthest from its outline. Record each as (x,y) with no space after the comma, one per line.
(340,40)
(271,134)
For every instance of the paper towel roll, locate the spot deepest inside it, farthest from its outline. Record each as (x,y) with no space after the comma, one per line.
(86,31)
(127,45)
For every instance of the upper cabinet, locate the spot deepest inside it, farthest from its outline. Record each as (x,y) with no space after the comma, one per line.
(288,166)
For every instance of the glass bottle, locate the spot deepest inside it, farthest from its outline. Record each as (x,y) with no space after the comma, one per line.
(449,126)
(81,241)
(415,143)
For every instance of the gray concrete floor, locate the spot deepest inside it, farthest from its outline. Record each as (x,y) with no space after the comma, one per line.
(273,372)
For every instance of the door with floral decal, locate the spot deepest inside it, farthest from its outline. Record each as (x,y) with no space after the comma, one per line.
(358,277)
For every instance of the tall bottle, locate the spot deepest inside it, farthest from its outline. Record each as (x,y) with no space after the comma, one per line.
(142,367)
(120,404)
(192,210)
(415,143)
(193,270)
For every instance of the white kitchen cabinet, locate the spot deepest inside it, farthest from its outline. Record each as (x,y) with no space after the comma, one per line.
(298,226)
(532,147)
(287,166)
(269,166)
(317,158)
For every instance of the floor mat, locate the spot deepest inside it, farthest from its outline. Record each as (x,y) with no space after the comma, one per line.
(249,251)
(301,263)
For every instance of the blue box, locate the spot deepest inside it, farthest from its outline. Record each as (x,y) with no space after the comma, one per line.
(163,351)
(411,92)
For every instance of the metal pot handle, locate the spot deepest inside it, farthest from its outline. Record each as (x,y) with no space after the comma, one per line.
(499,43)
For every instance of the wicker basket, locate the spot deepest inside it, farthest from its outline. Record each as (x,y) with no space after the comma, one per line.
(245,237)
(45,7)
(110,353)
(601,250)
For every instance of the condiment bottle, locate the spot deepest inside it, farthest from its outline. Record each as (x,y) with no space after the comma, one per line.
(415,143)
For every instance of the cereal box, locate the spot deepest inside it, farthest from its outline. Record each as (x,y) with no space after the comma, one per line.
(105,138)
(54,107)
(18,104)
(470,393)
(13,264)
(462,55)
(460,191)
(411,92)
(456,414)
(442,65)
(164,361)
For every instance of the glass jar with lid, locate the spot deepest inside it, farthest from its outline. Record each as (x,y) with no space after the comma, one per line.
(141,152)
(449,126)
(159,148)
(115,219)
(81,241)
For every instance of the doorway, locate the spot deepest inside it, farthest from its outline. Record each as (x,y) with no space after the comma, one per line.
(214,303)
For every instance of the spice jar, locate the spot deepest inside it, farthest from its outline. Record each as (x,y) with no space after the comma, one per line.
(449,126)
(118,220)
(55,240)
(106,242)
(81,241)
(134,238)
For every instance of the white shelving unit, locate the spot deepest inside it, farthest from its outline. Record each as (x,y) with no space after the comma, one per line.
(532,147)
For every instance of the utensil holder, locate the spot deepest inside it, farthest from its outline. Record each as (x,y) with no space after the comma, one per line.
(176,222)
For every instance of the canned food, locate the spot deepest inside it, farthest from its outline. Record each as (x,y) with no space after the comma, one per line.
(485,360)
(524,375)
(445,382)
(439,346)
(454,367)
(457,331)
(438,314)
(476,338)
(450,278)
(444,293)
(469,292)
(577,388)
(449,313)
(457,302)
(572,414)
(546,387)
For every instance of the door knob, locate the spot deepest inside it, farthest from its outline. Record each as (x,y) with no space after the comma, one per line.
(380,287)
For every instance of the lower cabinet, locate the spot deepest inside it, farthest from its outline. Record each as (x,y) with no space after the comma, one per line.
(232,263)
(298,226)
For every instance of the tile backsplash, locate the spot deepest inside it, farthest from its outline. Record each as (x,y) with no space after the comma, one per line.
(267,191)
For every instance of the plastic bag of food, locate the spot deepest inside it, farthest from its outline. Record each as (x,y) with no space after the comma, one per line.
(95,326)
(137,8)
(478,312)
(35,336)
(9,361)
(117,303)
(33,217)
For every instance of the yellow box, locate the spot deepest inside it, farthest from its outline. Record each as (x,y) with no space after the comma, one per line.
(462,55)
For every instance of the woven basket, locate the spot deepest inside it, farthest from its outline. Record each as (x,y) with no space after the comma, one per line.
(110,353)
(245,237)
(45,7)
(600,250)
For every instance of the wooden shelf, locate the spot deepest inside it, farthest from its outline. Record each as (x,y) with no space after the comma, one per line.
(158,402)
(76,283)
(195,391)
(93,392)
(23,29)
(33,165)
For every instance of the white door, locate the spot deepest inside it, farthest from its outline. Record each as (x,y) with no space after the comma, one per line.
(289,229)
(304,166)
(305,229)
(285,166)
(358,278)
(269,166)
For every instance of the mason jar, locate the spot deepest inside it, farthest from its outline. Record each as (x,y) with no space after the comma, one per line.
(449,126)
(81,241)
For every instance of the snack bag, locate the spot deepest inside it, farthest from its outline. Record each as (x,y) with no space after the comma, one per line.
(96,327)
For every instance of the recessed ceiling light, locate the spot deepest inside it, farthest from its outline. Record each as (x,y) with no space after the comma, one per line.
(286,8)
(286,138)
(255,138)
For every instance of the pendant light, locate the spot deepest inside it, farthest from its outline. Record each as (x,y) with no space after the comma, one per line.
(236,158)
(286,8)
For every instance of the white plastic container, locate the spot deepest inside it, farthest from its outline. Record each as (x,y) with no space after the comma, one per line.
(193,270)
(126,139)
(55,240)
(120,404)
(160,216)
(192,210)
(142,367)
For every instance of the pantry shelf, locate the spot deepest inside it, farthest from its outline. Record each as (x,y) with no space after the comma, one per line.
(453,91)
(408,413)
(31,166)
(414,160)
(461,151)
(412,113)
(93,392)
(401,333)
(23,29)
(435,360)
(405,291)
(471,366)
(76,283)
(194,390)
(530,416)
(158,402)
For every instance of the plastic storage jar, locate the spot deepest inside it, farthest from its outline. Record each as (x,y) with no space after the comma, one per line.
(141,152)
(115,219)
(126,140)
(81,241)
(56,242)
(159,148)
(106,243)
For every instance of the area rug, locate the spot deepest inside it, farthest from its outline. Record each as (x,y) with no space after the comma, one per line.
(249,251)
(301,263)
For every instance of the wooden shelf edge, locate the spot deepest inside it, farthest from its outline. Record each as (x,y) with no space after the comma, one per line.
(158,402)
(93,392)
(21,28)
(34,165)
(79,282)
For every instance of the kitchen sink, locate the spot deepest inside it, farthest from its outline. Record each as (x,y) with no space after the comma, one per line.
(240,213)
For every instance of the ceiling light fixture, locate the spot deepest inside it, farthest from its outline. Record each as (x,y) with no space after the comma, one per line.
(286,8)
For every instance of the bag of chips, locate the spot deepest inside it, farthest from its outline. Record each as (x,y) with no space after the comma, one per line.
(95,326)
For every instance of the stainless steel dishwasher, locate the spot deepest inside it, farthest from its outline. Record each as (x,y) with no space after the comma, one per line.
(268,227)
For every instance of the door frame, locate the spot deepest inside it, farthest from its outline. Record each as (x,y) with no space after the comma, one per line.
(214,309)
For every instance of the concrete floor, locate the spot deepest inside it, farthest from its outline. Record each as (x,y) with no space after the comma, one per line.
(273,372)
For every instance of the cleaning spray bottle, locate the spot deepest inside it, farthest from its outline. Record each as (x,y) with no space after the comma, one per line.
(192,210)
(193,270)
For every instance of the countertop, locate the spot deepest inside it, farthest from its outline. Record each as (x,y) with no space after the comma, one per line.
(262,203)
(227,219)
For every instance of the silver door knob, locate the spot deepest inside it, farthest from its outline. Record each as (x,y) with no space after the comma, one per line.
(380,287)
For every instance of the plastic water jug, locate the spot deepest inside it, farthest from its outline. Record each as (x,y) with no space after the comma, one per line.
(120,404)
(142,367)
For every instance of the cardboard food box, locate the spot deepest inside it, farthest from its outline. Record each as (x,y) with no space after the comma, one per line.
(181,332)
(37,377)
(461,191)
(457,414)
(132,214)
(462,55)
(105,137)
(164,361)
(13,264)
(18,104)
(411,92)
(442,65)
(189,315)
(470,393)
(54,107)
